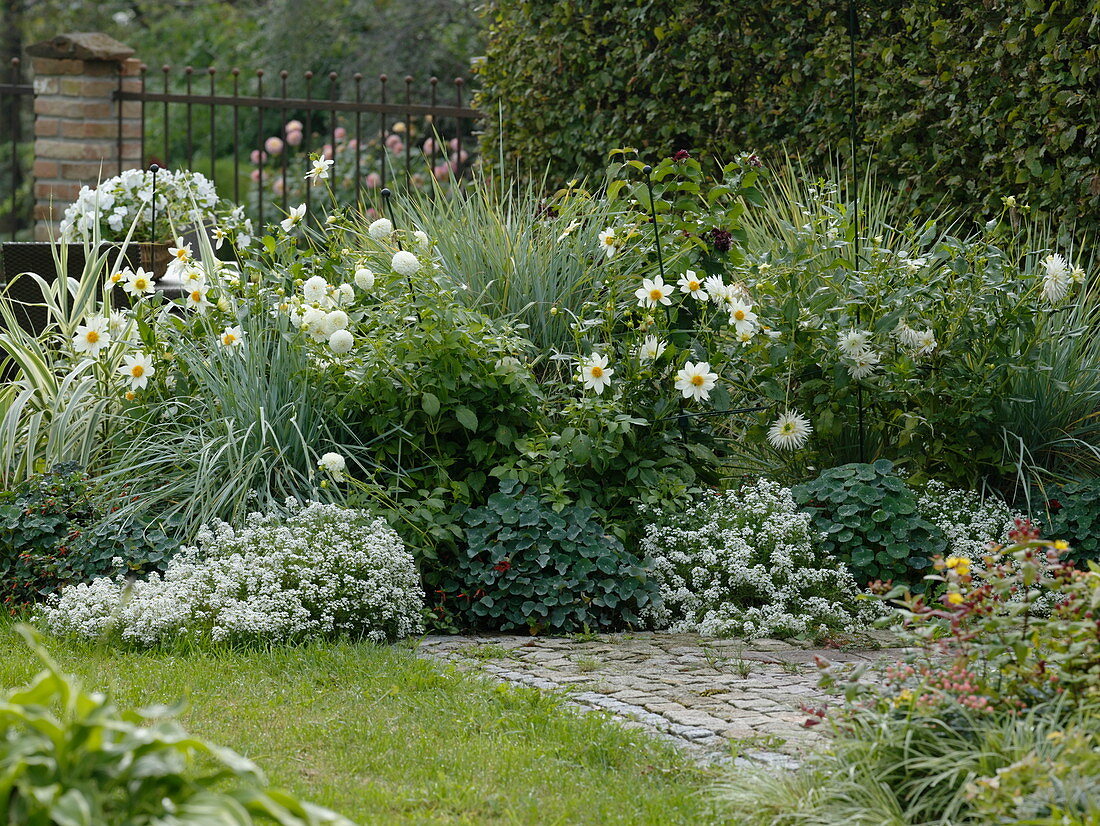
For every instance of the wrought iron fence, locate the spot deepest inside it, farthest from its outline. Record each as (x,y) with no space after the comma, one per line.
(16,181)
(409,135)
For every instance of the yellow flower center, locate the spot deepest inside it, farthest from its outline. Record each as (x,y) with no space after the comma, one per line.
(739,315)
(130,395)
(196,296)
(787,429)
(693,286)
(181,254)
(92,337)
(656,295)
(140,283)
(116,277)
(596,371)
(228,339)
(697,380)
(137,371)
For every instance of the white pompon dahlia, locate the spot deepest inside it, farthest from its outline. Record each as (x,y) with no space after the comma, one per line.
(405,263)
(696,381)
(341,342)
(315,290)
(381,229)
(594,373)
(790,431)
(333,463)
(364,279)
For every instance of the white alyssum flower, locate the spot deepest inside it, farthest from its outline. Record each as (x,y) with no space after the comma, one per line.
(315,289)
(1057,278)
(746,563)
(853,342)
(610,242)
(691,284)
(653,292)
(303,571)
(651,349)
(380,229)
(790,431)
(137,369)
(696,381)
(231,337)
(293,217)
(341,342)
(594,373)
(139,283)
(92,336)
(364,279)
(333,463)
(405,263)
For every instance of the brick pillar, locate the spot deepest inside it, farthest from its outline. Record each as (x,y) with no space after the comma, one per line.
(76,124)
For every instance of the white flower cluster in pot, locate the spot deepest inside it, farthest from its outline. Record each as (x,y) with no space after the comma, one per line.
(183,199)
(747,563)
(313,570)
(968,522)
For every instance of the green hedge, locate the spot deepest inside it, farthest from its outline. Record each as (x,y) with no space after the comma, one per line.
(963,102)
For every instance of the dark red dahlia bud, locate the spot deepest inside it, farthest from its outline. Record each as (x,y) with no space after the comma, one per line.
(681,155)
(754,160)
(721,239)
(1053,505)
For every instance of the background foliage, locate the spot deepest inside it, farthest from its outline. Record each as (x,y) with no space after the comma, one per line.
(963,102)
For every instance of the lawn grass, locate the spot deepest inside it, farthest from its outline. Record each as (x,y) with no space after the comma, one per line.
(383,737)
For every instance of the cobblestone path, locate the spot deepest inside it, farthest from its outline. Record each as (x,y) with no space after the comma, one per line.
(717,698)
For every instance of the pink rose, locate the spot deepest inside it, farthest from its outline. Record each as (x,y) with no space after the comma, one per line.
(339,133)
(374,180)
(293,126)
(442,172)
(294,137)
(273,145)
(326,151)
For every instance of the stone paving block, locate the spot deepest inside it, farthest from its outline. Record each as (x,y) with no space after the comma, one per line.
(678,686)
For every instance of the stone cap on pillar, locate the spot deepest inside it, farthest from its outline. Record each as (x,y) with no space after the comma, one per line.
(82,46)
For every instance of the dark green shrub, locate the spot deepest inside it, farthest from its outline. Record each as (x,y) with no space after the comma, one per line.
(531,568)
(962,102)
(1075,517)
(871,522)
(54,531)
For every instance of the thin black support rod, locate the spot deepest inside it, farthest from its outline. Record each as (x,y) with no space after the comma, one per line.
(459,167)
(307,134)
(853,129)
(213,139)
(358,137)
(382,149)
(165,69)
(236,136)
(283,75)
(648,172)
(153,231)
(260,156)
(408,131)
(187,73)
(332,76)
(387,212)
